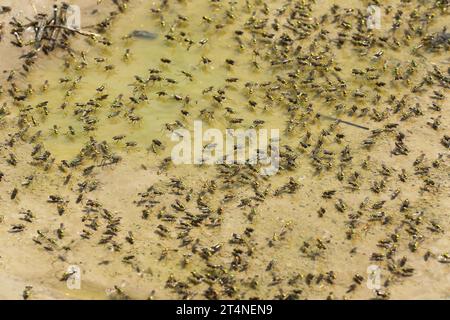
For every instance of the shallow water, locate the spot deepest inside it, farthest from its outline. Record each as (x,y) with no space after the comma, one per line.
(145,55)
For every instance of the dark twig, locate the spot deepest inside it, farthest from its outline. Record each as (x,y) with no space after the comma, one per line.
(342,121)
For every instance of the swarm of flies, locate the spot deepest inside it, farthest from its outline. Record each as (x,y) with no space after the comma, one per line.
(348,157)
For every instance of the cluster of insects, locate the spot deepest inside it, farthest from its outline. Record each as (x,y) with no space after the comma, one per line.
(356,185)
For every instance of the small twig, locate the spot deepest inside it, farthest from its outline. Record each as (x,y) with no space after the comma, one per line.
(84,33)
(58,15)
(40,33)
(343,121)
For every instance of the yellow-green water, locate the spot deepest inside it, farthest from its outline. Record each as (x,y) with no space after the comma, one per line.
(256,78)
